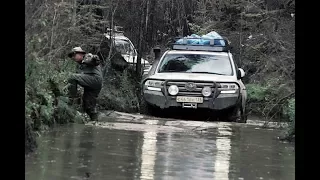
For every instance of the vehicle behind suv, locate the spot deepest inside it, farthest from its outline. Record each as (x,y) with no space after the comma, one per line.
(197,76)
(126,48)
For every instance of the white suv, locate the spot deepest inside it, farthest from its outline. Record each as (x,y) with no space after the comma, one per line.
(197,76)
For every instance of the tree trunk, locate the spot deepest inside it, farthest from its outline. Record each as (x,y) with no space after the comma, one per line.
(138,66)
(74,17)
(146,25)
(151,24)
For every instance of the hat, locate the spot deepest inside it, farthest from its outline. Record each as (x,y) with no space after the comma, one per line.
(75,50)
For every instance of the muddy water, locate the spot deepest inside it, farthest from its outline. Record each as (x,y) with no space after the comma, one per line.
(129,148)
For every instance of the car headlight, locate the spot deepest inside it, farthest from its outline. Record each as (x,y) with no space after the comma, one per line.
(206,91)
(228,88)
(153,85)
(232,86)
(173,90)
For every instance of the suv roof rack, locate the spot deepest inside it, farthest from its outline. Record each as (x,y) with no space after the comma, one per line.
(212,45)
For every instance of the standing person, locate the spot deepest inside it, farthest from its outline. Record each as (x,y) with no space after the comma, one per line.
(89,76)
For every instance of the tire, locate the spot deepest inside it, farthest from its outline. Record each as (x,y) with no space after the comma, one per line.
(148,109)
(237,115)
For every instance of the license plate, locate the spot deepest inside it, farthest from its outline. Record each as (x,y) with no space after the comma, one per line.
(190,99)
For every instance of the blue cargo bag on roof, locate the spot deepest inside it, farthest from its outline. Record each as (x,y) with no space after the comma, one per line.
(211,35)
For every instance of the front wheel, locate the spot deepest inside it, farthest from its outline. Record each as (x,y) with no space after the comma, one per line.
(238,115)
(148,109)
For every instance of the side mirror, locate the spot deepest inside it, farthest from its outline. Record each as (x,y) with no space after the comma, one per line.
(241,73)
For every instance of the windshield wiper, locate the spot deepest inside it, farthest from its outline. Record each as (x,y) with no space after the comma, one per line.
(208,73)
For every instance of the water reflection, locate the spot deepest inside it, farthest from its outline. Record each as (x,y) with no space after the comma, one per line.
(168,152)
(184,156)
(78,152)
(223,147)
(48,159)
(149,150)
(67,156)
(86,146)
(257,154)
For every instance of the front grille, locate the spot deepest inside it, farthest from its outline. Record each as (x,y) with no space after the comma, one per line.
(196,92)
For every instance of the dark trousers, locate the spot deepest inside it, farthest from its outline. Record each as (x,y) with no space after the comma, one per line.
(92,85)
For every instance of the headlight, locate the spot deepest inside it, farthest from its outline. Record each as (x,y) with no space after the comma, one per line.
(231,86)
(206,91)
(228,88)
(173,90)
(153,85)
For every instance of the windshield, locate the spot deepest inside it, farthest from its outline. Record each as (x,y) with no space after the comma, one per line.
(196,63)
(124,47)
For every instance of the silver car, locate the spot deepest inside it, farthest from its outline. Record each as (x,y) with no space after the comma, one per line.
(190,76)
(128,51)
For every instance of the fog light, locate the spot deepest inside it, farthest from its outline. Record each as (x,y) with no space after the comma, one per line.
(206,91)
(173,90)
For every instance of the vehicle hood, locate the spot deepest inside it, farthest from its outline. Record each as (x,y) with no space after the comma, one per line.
(193,77)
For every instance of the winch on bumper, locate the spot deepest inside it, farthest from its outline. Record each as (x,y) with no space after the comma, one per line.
(219,98)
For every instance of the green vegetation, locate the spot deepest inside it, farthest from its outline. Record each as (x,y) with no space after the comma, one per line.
(289,111)
(46,103)
(120,92)
(51,32)
(268,101)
